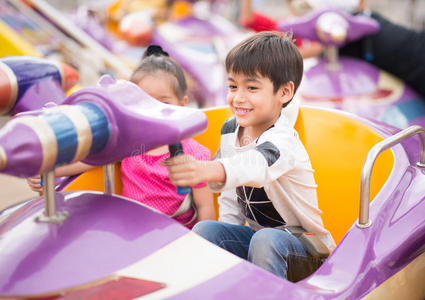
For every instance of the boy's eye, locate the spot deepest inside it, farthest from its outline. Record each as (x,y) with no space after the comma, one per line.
(252,88)
(232,86)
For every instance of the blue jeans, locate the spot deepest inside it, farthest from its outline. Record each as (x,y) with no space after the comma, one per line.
(272,249)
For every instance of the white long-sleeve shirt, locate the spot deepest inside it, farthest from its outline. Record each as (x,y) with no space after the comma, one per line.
(278,167)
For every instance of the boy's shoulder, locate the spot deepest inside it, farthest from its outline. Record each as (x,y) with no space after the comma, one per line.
(281,132)
(229,126)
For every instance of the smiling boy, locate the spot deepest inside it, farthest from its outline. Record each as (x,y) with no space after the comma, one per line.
(262,169)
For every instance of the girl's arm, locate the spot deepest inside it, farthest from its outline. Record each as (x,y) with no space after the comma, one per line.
(204,202)
(67,170)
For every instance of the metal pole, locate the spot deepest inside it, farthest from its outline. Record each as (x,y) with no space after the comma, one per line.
(109,178)
(333,58)
(49,193)
(50,215)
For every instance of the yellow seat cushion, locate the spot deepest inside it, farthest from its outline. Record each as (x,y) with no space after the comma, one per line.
(338,146)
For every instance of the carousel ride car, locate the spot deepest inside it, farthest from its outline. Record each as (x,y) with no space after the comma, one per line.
(348,83)
(79,243)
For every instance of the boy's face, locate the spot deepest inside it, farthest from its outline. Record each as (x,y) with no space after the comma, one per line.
(253,101)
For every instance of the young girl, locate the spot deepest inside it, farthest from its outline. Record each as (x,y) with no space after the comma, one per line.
(143,177)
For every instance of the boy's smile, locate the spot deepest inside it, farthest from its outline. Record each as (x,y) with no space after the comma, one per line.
(241,112)
(253,101)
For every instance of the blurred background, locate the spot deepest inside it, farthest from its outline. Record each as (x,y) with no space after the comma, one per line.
(84,35)
(410,13)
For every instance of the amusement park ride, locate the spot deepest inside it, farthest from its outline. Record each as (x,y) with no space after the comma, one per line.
(75,244)
(352,84)
(81,238)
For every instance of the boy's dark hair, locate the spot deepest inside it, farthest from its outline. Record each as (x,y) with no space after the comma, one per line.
(155,59)
(270,54)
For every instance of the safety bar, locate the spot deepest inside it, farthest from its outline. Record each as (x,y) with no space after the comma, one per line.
(363,221)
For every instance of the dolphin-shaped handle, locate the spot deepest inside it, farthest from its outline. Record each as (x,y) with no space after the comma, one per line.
(98,125)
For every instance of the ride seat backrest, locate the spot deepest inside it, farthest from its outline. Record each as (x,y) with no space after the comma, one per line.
(93,180)
(337,145)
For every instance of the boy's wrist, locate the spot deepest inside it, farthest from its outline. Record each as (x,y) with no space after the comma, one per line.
(213,171)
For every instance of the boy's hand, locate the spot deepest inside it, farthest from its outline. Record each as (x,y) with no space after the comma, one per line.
(34,183)
(184,170)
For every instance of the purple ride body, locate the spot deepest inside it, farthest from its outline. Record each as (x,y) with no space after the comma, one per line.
(360,88)
(28,83)
(355,85)
(90,245)
(101,235)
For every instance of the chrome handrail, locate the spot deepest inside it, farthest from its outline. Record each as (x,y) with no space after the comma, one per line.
(109,178)
(50,214)
(363,221)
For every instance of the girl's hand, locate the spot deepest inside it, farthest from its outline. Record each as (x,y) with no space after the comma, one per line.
(204,201)
(34,183)
(185,170)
